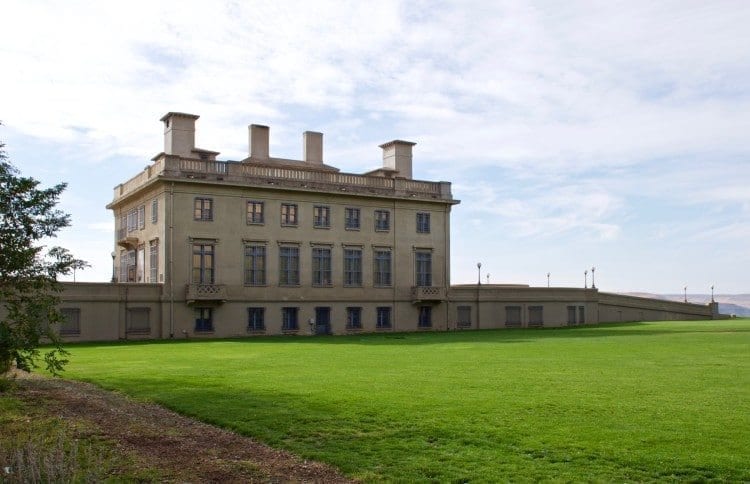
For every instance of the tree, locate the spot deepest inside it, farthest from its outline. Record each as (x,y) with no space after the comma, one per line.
(28,270)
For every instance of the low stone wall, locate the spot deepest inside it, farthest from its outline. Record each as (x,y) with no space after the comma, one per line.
(614,308)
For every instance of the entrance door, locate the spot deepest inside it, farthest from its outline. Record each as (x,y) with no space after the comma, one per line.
(322,320)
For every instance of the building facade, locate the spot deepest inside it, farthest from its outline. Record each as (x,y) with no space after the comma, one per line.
(271,246)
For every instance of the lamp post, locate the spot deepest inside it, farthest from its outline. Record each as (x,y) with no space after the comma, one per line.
(548,279)
(712,293)
(585,279)
(488,278)
(593,286)
(685,289)
(479,283)
(114,278)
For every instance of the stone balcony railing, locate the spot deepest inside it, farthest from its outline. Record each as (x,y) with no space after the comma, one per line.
(267,175)
(215,293)
(427,294)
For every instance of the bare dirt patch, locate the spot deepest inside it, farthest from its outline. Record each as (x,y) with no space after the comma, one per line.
(179,448)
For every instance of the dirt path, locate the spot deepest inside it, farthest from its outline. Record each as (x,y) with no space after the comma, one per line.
(182,449)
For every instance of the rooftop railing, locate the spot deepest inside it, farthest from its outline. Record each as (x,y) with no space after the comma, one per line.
(265,175)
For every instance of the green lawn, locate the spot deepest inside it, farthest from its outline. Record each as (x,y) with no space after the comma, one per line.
(623,402)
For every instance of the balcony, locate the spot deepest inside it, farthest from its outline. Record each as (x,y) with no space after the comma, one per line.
(126,242)
(205,293)
(430,294)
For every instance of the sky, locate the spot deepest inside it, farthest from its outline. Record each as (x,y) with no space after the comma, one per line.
(576,134)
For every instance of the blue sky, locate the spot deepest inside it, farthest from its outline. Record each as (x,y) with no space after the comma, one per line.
(576,134)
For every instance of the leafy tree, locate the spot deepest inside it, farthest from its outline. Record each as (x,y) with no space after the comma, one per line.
(28,270)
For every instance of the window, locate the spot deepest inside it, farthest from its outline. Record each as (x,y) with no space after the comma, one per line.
(423,223)
(383,320)
(352,267)
(321,261)
(140,263)
(127,266)
(154,211)
(203,209)
(289,214)
(288,266)
(423,268)
(571,315)
(138,321)
(321,216)
(142,217)
(153,260)
(204,320)
(464,316)
(382,267)
(536,316)
(254,212)
(256,319)
(289,320)
(382,220)
(351,218)
(582,315)
(132,220)
(425,317)
(513,316)
(203,264)
(353,318)
(70,325)
(255,265)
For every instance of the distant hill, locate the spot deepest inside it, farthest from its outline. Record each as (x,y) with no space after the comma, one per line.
(737,304)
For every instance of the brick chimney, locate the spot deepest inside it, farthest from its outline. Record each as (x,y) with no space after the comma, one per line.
(179,133)
(397,156)
(312,147)
(258,141)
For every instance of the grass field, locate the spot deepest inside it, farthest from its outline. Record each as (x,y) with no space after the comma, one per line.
(615,402)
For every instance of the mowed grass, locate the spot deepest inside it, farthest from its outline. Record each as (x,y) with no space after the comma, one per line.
(644,401)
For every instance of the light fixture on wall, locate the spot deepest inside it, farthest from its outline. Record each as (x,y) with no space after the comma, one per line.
(479,273)
(585,279)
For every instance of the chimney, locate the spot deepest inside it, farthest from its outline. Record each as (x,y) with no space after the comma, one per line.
(312,147)
(397,156)
(179,133)
(258,141)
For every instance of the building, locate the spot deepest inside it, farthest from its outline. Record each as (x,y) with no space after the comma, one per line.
(208,248)
(284,246)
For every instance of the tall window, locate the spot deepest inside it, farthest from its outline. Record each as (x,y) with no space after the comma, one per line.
(382,267)
(254,212)
(382,220)
(513,316)
(353,318)
(464,316)
(423,268)
(321,260)
(289,214)
(154,211)
(351,218)
(203,264)
(288,266)
(203,209)
(423,223)
(71,322)
(255,265)
(289,321)
(582,314)
(132,220)
(137,320)
(321,216)
(256,319)
(352,267)
(204,320)
(383,317)
(153,260)
(425,317)
(536,315)
(142,217)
